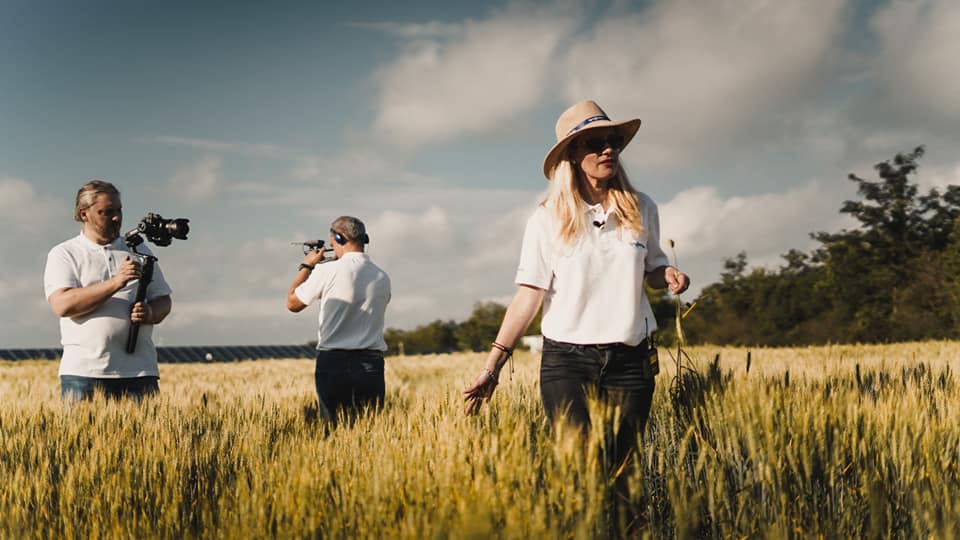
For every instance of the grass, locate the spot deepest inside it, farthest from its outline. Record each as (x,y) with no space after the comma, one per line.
(835,441)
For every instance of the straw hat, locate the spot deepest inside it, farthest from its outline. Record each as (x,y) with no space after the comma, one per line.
(579,118)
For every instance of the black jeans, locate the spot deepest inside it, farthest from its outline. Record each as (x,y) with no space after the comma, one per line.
(348,381)
(616,373)
(76,388)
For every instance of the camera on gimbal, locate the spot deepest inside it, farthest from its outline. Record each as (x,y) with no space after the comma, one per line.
(161,232)
(158,230)
(316,245)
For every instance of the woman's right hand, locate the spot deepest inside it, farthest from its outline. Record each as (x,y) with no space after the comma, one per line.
(521,311)
(481,390)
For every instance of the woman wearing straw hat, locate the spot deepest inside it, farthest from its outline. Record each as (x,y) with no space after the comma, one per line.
(587,250)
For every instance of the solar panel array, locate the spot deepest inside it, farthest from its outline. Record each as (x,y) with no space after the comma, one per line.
(187,354)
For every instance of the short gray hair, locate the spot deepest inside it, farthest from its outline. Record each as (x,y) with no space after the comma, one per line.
(87,195)
(352,228)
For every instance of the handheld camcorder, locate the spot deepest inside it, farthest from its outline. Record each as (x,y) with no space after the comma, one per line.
(158,230)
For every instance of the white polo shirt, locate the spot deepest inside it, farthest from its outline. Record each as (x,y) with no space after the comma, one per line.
(353,294)
(94,345)
(594,290)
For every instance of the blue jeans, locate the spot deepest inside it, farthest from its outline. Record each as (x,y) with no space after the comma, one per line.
(348,381)
(76,388)
(616,373)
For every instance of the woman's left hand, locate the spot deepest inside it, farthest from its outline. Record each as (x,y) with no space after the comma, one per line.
(676,280)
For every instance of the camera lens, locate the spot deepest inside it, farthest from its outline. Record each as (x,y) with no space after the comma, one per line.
(178,228)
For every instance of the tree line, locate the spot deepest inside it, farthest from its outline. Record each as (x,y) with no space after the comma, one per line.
(474,334)
(893,277)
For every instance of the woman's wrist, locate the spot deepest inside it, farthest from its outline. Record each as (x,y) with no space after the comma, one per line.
(501,354)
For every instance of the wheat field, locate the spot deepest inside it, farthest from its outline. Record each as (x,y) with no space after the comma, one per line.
(838,442)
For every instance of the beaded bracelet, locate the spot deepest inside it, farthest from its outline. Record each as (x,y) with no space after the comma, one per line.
(509,352)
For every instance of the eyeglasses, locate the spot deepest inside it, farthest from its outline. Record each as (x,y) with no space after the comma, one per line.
(597,144)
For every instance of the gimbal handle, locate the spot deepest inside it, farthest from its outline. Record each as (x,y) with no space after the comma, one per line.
(146,276)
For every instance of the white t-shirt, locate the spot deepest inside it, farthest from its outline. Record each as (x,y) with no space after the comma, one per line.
(94,345)
(594,290)
(353,294)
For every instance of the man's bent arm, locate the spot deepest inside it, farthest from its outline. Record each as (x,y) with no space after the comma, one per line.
(293,301)
(77,302)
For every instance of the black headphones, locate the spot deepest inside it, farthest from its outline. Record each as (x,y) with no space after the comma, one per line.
(342,240)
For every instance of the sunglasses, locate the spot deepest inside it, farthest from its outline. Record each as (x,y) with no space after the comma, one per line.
(597,144)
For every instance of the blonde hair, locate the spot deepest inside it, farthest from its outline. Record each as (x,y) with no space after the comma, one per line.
(565,202)
(87,195)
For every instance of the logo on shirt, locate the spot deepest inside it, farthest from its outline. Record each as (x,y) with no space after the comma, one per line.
(638,244)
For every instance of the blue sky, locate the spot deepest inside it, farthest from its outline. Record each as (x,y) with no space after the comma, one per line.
(261,122)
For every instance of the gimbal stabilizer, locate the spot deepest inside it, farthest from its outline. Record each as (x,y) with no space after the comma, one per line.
(161,232)
(146,276)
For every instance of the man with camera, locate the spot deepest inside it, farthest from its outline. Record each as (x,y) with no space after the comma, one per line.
(353,293)
(90,282)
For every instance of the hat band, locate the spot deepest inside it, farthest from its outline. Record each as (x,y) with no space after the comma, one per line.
(590,120)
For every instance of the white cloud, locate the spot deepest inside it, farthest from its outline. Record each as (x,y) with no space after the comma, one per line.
(410,303)
(708,227)
(703,75)
(22,209)
(916,68)
(364,163)
(189,312)
(199,181)
(396,233)
(209,145)
(20,286)
(701,221)
(498,242)
(32,224)
(432,29)
(476,77)
(939,177)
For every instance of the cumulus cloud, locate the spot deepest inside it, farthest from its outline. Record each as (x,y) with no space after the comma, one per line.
(470,78)
(708,227)
(190,312)
(702,75)
(20,286)
(360,163)
(916,68)
(199,181)
(432,29)
(210,145)
(939,177)
(498,243)
(32,224)
(22,209)
(395,233)
(700,220)
(411,303)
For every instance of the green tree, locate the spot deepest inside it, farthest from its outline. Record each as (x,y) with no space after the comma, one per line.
(871,269)
(436,337)
(480,329)
(893,277)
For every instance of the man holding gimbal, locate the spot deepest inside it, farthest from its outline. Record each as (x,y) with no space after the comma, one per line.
(353,294)
(90,282)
